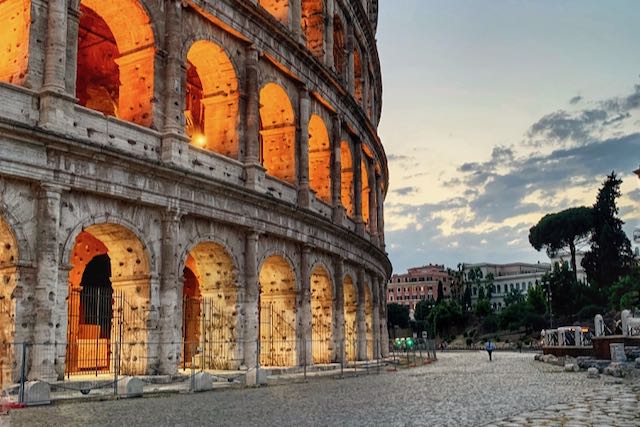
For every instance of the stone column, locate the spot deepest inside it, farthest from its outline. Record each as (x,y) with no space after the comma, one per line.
(296,20)
(373,215)
(170,318)
(47,259)
(56,47)
(350,43)
(336,170)
(384,331)
(252,294)
(303,149)
(73,25)
(254,172)
(328,34)
(338,309)
(304,309)
(361,319)
(380,211)
(357,186)
(376,298)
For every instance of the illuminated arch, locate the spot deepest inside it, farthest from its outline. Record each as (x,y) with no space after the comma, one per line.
(368,315)
(339,46)
(277,312)
(313,25)
(319,158)
(358,76)
(210,298)
(277,133)
(346,177)
(8,276)
(15,23)
(321,315)
(110,275)
(365,190)
(116,54)
(278,8)
(350,318)
(211,99)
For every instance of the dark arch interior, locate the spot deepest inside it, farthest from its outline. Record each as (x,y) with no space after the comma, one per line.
(96,296)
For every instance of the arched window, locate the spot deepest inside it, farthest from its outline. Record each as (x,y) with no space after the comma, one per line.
(15,22)
(339,46)
(319,159)
(365,190)
(116,52)
(277,133)
(346,177)
(211,109)
(313,25)
(278,8)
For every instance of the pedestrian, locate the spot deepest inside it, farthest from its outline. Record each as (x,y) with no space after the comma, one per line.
(489,346)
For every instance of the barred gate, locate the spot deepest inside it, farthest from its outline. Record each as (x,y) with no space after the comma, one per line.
(209,334)
(350,342)
(321,341)
(105,333)
(277,336)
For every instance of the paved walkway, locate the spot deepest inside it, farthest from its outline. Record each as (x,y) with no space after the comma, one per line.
(461,389)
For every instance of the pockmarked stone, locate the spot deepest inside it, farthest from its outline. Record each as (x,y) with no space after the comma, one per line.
(37,393)
(130,387)
(571,367)
(617,352)
(202,381)
(593,373)
(614,369)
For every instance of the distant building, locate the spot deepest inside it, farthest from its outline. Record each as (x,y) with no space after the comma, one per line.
(419,283)
(518,276)
(564,257)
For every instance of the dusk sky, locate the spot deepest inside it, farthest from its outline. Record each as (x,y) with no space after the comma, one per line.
(499,111)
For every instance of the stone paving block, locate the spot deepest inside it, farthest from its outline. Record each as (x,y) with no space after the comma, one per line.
(130,387)
(37,393)
(202,381)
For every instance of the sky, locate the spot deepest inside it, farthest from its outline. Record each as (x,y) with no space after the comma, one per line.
(497,112)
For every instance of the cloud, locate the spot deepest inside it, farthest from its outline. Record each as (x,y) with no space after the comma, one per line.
(406,191)
(576,99)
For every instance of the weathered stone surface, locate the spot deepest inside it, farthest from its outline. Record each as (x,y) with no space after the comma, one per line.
(617,352)
(571,367)
(202,381)
(130,387)
(37,393)
(255,377)
(593,373)
(615,369)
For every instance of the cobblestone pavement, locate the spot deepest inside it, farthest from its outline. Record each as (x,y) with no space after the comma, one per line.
(461,389)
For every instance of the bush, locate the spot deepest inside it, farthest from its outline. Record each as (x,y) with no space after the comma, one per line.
(469,341)
(464,334)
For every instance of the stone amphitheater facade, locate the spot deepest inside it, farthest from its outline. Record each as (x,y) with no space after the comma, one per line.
(163,151)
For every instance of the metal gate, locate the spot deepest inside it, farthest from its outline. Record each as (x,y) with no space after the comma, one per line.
(321,341)
(209,338)
(277,335)
(105,333)
(351,341)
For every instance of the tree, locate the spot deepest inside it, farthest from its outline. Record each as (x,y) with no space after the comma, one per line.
(398,315)
(537,299)
(565,229)
(423,308)
(514,296)
(610,256)
(625,292)
(440,292)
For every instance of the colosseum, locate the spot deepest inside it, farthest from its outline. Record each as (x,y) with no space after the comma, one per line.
(190,183)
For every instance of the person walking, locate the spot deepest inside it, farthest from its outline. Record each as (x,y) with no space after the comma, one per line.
(489,346)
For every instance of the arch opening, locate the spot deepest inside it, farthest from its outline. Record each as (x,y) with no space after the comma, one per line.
(210,309)
(313,25)
(321,316)
(278,8)
(319,158)
(8,279)
(108,303)
(368,315)
(346,178)
(350,319)
(339,46)
(277,133)
(278,292)
(211,108)
(365,191)
(116,54)
(358,77)
(15,23)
